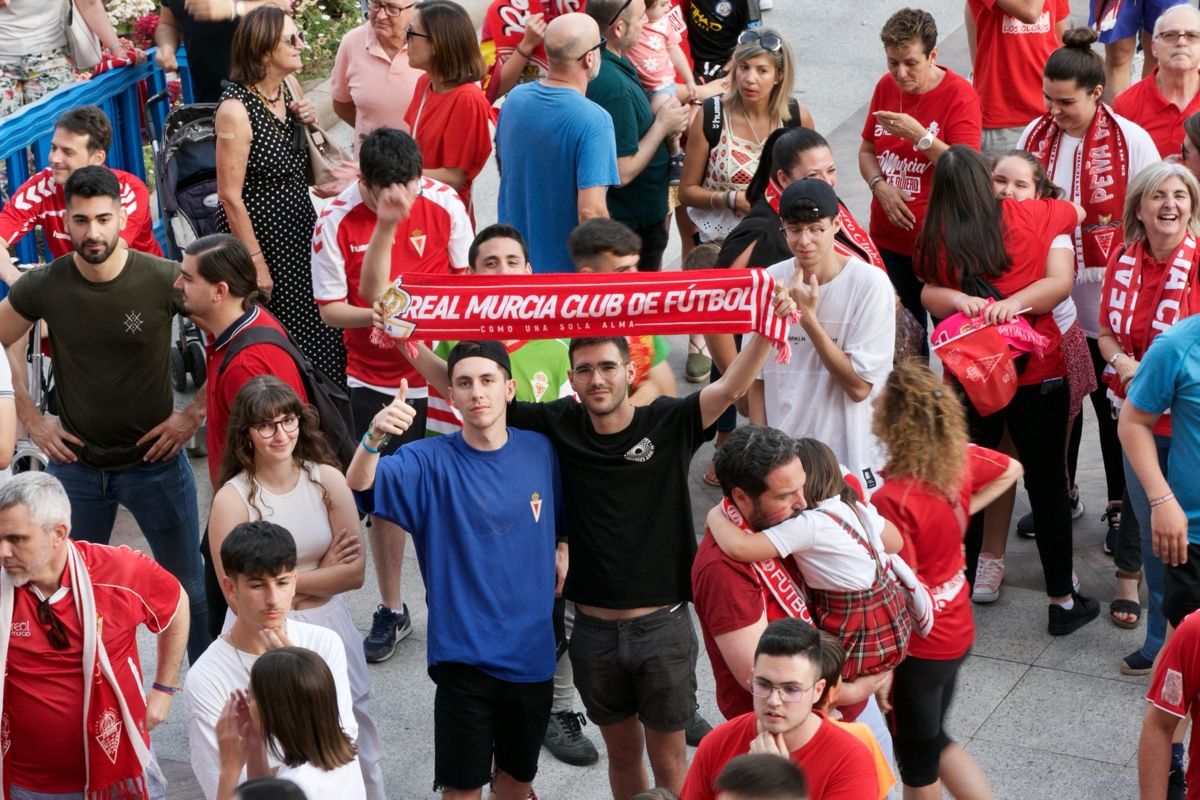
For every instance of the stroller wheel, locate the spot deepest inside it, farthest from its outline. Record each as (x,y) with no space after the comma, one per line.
(178,370)
(195,359)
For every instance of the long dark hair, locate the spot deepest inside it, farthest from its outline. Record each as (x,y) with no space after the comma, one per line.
(963,235)
(297,704)
(263,398)
(781,150)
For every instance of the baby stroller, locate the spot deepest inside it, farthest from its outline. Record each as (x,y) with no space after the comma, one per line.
(185,168)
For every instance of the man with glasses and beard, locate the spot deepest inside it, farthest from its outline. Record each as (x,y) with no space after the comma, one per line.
(69,614)
(117,439)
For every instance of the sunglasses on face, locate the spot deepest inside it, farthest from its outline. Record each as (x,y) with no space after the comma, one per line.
(56,632)
(296,40)
(411,32)
(388,8)
(598,46)
(769,41)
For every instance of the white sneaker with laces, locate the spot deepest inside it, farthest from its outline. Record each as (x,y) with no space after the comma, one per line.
(989,574)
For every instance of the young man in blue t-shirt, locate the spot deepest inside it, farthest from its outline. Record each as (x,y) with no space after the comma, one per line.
(482,507)
(1168,380)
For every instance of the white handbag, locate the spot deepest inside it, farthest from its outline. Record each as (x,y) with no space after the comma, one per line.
(83,44)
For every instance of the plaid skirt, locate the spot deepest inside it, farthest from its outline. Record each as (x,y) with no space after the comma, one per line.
(872,625)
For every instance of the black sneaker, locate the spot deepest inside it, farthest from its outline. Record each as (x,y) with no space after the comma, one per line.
(1113,517)
(697,728)
(675,171)
(1176,785)
(566,742)
(1026,528)
(387,629)
(1063,621)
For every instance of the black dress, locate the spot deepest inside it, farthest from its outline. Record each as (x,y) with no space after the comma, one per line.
(281,212)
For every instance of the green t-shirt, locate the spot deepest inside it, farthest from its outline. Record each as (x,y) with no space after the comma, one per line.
(644,201)
(539,366)
(111,351)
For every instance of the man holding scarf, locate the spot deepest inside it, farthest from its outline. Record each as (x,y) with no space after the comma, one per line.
(69,613)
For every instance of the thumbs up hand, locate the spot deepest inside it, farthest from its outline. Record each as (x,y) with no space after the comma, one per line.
(395,418)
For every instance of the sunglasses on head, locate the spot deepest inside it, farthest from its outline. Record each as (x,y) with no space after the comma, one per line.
(769,41)
(620,11)
(56,632)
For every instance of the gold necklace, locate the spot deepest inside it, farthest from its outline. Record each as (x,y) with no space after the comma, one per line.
(272,100)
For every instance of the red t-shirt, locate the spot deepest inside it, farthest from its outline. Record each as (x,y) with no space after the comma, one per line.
(837,765)
(1163,120)
(729,596)
(454,129)
(1009,56)
(951,113)
(43,697)
(1175,688)
(433,240)
(255,360)
(39,201)
(932,530)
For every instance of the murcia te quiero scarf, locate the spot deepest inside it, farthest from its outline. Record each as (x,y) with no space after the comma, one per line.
(558,305)
(1097,183)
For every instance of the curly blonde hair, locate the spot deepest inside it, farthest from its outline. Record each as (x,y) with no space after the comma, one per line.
(921,422)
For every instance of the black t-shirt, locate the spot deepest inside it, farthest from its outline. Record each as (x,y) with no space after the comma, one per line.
(759,228)
(713,27)
(628,508)
(208,45)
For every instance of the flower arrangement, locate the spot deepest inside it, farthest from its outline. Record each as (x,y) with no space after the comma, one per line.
(126,12)
(324,23)
(143,30)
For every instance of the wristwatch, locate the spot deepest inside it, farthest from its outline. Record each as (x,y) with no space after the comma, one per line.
(926,141)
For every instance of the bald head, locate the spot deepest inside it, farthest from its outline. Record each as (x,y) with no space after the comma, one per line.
(1182,17)
(568,36)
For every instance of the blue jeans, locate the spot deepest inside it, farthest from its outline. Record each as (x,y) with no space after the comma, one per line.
(1152,565)
(162,498)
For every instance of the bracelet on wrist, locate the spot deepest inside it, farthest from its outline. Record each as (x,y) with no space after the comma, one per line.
(372,450)
(1166,498)
(872,182)
(167,690)
(522,53)
(1112,362)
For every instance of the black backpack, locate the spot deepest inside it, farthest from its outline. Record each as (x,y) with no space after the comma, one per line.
(714,112)
(332,404)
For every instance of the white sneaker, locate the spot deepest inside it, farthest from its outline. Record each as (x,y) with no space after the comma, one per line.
(989,574)
(766,5)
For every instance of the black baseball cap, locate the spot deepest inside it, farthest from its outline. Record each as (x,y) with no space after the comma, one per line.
(473,348)
(807,201)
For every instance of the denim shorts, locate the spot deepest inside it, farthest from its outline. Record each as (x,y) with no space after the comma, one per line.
(644,666)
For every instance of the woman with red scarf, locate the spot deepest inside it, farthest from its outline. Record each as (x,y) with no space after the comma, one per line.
(1091,154)
(976,248)
(1151,283)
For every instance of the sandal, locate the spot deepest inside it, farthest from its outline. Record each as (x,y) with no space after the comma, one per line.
(710,475)
(1136,664)
(1131,608)
(698,365)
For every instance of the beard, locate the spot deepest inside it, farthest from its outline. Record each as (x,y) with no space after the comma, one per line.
(93,258)
(759,521)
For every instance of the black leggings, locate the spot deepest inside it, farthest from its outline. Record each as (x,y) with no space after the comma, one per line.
(921,693)
(1106,424)
(1037,422)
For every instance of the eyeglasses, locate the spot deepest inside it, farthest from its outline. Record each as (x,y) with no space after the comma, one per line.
(607,369)
(788,692)
(56,632)
(296,40)
(769,41)
(814,231)
(388,8)
(266,430)
(620,11)
(1173,37)
(411,32)
(599,46)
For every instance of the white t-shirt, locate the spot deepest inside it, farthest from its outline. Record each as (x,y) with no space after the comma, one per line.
(343,783)
(31,27)
(857,309)
(826,554)
(1090,279)
(222,668)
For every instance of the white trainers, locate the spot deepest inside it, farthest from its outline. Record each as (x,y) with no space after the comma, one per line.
(989,574)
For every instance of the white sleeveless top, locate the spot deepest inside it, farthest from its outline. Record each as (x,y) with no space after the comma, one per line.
(302,511)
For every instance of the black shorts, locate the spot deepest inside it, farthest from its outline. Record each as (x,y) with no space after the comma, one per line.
(477,717)
(644,666)
(1181,587)
(366,403)
(921,693)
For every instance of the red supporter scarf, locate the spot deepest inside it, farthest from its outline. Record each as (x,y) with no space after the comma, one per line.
(1123,289)
(566,305)
(776,583)
(1101,171)
(851,240)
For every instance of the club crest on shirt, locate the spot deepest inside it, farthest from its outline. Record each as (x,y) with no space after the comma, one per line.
(108,733)
(1172,689)
(418,238)
(535,503)
(540,382)
(641,452)
(20,629)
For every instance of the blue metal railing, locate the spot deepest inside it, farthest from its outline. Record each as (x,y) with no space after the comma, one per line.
(25,135)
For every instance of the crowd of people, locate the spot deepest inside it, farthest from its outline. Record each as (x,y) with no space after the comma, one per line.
(1045,208)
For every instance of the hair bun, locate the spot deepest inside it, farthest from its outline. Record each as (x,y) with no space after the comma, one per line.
(1081,38)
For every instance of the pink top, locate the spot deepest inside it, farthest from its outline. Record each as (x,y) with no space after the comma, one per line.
(652,57)
(380,87)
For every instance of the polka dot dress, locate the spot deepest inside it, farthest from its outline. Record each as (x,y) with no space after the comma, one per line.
(276,196)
